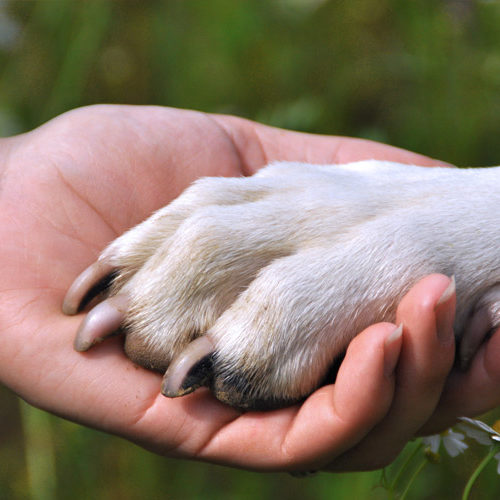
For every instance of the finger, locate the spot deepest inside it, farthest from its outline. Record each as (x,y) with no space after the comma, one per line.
(269,144)
(330,421)
(427,313)
(472,392)
(484,319)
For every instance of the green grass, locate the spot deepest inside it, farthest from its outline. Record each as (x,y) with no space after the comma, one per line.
(420,75)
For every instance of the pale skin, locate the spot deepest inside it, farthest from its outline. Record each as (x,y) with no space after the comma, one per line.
(71,186)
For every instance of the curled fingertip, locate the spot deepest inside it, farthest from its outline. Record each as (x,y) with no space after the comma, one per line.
(392,350)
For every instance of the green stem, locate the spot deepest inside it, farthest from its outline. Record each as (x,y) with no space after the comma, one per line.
(478,471)
(384,482)
(404,466)
(423,463)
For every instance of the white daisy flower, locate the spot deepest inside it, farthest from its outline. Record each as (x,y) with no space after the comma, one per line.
(453,442)
(482,433)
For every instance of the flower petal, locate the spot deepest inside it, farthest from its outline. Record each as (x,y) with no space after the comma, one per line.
(478,424)
(480,436)
(481,432)
(453,443)
(497,458)
(432,442)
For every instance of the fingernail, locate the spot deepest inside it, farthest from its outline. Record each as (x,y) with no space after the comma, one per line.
(445,313)
(392,349)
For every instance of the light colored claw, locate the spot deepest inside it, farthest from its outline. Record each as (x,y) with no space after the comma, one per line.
(178,380)
(101,322)
(83,284)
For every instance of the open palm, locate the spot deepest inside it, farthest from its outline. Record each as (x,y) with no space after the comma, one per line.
(73,185)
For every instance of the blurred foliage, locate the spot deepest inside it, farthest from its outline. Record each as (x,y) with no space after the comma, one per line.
(423,75)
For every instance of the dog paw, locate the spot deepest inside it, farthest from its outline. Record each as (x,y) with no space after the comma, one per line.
(254,286)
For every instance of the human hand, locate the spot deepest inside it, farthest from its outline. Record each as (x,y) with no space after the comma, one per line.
(74,184)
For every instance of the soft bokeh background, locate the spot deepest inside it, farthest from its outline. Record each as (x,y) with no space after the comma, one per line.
(423,75)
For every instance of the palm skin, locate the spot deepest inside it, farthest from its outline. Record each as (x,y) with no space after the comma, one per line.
(73,185)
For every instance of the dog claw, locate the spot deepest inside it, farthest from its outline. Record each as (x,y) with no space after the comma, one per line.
(191,369)
(101,322)
(92,278)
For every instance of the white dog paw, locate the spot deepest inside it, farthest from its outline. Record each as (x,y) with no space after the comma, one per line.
(254,286)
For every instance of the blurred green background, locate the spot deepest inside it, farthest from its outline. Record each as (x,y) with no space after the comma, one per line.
(422,75)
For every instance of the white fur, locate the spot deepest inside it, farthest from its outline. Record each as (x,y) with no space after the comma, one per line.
(282,269)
